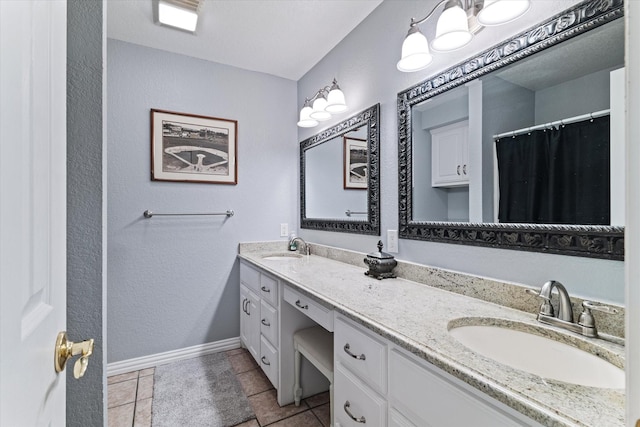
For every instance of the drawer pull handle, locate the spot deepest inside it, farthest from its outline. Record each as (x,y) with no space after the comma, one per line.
(355,356)
(265,323)
(304,307)
(265,361)
(347,405)
(265,289)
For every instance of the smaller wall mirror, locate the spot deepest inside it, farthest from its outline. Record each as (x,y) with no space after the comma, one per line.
(340,176)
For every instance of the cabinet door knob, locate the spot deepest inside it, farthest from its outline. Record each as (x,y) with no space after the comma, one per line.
(458,169)
(361,420)
(464,169)
(265,361)
(265,323)
(347,350)
(265,289)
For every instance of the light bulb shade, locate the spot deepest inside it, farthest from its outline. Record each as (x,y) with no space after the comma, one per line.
(335,100)
(319,113)
(305,120)
(497,12)
(415,52)
(452,29)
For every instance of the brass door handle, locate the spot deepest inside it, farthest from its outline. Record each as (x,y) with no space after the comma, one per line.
(66,349)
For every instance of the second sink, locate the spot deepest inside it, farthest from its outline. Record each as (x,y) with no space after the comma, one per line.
(539,355)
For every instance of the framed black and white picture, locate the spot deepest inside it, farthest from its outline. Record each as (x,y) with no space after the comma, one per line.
(193,148)
(356,163)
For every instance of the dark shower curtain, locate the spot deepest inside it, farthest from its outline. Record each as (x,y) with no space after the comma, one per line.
(556,176)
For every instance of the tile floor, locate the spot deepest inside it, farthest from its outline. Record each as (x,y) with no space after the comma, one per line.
(131,398)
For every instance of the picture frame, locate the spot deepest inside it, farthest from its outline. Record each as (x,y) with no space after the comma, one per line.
(356,163)
(193,148)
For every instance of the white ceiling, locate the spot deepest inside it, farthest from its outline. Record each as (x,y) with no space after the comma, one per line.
(285,38)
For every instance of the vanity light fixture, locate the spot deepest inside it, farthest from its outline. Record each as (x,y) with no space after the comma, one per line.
(456,25)
(181,14)
(325,102)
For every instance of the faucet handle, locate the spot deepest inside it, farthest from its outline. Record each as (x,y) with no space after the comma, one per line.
(546,308)
(590,305)
(586,318)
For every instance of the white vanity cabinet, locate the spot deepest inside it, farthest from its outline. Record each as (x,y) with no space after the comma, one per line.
(421,395)
(450,155)
(259,318)
(360,375)
(380,383)
(250,320)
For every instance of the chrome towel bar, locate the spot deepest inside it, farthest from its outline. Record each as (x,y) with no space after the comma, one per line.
(149,214)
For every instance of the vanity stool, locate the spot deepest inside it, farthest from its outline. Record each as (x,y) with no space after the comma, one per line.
(316,345)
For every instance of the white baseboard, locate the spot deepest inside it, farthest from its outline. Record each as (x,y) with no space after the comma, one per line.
(152,360)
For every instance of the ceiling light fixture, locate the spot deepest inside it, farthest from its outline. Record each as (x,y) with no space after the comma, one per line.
(325,102)
(456,25)
(182,14)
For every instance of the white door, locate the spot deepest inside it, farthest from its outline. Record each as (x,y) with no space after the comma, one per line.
(632,230)
(32,210)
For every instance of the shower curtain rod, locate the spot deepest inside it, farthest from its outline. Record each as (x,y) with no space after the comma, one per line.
(575,119)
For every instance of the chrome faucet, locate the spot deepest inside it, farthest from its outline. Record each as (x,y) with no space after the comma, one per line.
(293,245)
(586,324)
(565,310)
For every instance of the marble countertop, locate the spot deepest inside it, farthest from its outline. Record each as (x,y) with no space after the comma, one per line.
(416,317)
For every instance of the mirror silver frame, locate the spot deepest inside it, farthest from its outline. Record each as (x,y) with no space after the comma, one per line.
(371,118)
(577,240)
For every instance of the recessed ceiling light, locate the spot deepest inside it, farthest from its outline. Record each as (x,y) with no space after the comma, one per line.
(182,14)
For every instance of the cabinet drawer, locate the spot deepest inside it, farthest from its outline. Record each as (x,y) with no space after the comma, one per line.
(269,289)
(269,361)
(397,420)
(250,277)
(353,399)
(426,398)
(364,355)
(269,323)
(321,315)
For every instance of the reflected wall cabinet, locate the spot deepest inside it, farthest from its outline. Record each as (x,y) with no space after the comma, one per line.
(450,155)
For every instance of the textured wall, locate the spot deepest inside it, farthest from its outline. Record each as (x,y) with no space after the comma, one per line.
(173,282)
(85,191)
(365,65)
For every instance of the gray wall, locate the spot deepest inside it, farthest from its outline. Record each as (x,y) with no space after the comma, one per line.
(173,281)
(365,65)
(85,207)
(579,96)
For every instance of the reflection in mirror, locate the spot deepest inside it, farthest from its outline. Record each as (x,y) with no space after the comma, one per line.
(333,170)
(526,153)
(339,176)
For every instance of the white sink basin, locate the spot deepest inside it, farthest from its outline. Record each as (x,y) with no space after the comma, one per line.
(539,355)
(282,257)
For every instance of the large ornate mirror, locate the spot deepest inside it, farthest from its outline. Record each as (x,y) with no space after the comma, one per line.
(340,176)
(521,147)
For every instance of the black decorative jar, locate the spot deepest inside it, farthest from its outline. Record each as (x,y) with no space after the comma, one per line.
(380,264)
